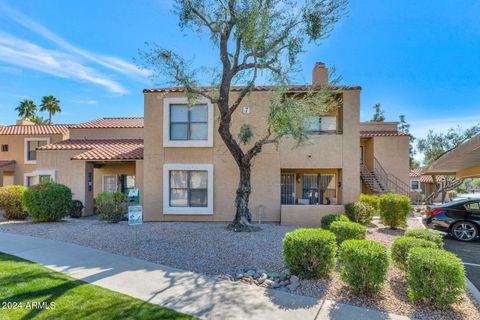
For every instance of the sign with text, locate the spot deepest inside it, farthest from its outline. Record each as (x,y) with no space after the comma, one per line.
(135,216)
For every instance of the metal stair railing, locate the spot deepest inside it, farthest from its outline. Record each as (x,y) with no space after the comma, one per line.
(392,182)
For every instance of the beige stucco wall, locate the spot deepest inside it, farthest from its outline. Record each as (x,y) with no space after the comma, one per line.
(16,151)
(307,215)
(378,126)
(326,151)
(108,133)
(393,155)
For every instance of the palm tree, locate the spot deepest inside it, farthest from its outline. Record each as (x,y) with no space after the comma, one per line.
(51,105)
(39,120)
(26,109)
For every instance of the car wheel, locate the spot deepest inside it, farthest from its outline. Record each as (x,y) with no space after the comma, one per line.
(464,231)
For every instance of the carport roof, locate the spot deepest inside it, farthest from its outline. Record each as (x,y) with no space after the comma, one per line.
(462,161)
(112,149)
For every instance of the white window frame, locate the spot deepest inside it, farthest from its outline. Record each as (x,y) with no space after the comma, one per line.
(109,175)
(51,173)
(419,185)
(32,175)
(27,140)
(186,143)
(167,209)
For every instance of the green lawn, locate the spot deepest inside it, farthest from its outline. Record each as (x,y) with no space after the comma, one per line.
(23,282)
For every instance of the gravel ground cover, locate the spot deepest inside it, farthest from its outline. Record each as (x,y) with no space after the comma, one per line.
(210,249)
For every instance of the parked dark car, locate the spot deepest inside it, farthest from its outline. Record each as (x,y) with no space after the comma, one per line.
(460,218)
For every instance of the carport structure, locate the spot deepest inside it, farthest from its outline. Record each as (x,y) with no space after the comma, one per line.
(462,161)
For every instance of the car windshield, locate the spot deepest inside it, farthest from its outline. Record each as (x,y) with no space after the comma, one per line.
(459,201)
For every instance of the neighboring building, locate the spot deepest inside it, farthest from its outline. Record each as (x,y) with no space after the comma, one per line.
(18,155)
(185,173)
(421,186)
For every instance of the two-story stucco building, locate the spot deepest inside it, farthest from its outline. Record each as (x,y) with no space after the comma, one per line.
(178,161)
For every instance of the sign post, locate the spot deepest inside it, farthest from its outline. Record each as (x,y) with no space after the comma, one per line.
(135,218)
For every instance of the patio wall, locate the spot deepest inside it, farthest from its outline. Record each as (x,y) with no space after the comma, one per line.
(307,215)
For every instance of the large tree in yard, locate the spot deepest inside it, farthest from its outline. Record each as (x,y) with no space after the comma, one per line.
(253,39)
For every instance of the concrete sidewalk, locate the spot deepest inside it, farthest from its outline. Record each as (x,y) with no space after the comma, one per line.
(184,291)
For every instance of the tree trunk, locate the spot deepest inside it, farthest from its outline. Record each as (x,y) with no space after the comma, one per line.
(243,217)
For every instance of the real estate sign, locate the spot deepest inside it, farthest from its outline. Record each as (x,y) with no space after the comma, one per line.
(135,216)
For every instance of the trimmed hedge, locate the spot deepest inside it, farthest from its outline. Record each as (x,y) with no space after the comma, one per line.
(360,212)
(425,234)
(310,253)
(47,202)
(348,230)
(371,200)
(394,210)
(76,209)
(401,247)
(11,202)
(111,206)
(435,276)
(329,218)
(363,265)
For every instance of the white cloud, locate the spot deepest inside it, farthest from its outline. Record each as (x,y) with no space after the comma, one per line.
(109,62)
(28,55)
(85,101)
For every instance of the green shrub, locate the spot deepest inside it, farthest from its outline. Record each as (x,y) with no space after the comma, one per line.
(76,209)
(111,206)
(11,202)
(425,234)
(363,265)
(309,253)
(394,209)
(401,247)
(435,276)
(48,201)
(329,218)
(348,230)
(360,212)
(371,200)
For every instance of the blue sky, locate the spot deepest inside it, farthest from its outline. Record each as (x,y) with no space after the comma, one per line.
(418,58)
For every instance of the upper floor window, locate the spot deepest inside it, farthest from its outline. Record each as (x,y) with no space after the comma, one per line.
(31,145)
(187,124)
(321,124)
(4,147)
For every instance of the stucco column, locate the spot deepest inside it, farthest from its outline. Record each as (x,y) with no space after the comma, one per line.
(351,185)
(88,181)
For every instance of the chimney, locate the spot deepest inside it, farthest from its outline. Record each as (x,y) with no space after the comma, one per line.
(24,122)
(319,74)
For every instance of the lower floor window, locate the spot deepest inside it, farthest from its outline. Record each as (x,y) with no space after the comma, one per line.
(45,178)
(30,181)
(110,184)
(188,188)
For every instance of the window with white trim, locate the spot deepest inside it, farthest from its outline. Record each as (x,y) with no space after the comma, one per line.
(187,124)
(30,181)
(32,148)
(110,184)
(415,185)
(188,188)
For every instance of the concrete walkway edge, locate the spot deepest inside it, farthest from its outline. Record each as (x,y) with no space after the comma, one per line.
(183,291)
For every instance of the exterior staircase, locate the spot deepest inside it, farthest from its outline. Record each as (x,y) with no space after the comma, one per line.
(378,181)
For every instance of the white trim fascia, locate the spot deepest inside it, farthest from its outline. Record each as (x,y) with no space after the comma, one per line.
(25,148)
(167,209)
(167,101)
(109,175)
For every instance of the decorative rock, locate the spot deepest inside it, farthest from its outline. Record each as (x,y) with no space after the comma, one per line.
(293,286)
(285,274)
(238,276)
(276,284)
(273,275)
(262,278)
(294,279)
(251,273)
(268,283)
(260,271)
(283,289)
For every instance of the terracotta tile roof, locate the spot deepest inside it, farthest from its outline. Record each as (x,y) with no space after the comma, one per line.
(302,87)
(417,173)
(121,149)
(34,129)
(381,133)
(4,163)
(105,123)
